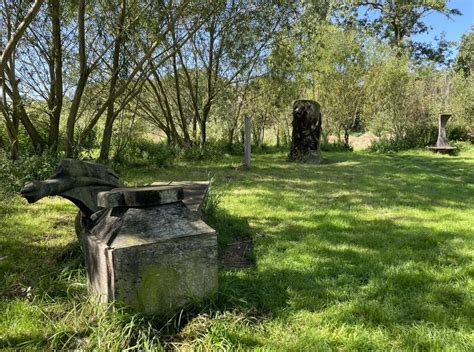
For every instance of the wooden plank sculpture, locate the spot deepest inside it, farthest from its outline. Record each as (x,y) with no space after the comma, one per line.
(78,181)
(306,136)
(442,146)
(143,246)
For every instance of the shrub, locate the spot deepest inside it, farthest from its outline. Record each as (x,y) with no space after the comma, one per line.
(336,146)
(143,151)
(417,137)
(390,145)
(211,201)
(235,149)
(211,151)
(458,133)
(14,174)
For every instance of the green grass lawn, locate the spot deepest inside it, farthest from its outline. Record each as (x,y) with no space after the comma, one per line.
(364,252)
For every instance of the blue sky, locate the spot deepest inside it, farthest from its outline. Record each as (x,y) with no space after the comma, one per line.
(453,28)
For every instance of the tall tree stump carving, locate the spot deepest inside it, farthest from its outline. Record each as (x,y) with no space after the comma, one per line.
(306,136)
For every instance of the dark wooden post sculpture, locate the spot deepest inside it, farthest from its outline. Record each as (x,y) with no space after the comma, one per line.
(442,145)
(306,137)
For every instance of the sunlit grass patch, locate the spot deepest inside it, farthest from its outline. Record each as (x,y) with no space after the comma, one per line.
(363,252)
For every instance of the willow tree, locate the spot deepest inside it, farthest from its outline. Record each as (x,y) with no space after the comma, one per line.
(338,76)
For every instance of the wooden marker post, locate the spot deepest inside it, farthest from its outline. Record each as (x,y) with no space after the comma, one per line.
(247,143)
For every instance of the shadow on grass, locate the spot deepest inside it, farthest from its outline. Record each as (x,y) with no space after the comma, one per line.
(22,340)
(380,271)
(324,258)
(390,181)
(398,278)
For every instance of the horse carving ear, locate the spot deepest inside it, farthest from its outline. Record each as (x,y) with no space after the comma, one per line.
(76,180)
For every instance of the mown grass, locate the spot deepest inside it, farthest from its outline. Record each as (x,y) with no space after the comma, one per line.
(364,252)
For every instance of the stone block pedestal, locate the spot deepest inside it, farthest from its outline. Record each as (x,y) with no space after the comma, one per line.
(154,256)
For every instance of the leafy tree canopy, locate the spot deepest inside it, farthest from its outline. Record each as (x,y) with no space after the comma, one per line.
(397,21)
(464,61)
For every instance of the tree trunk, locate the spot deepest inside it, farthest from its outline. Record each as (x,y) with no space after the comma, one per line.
(248,142)
(19,112)
(182,119)
(205,116)
(166,108)
(106,139)
(210,85)
(192,92)
(195,119)
(203,132)
(111,115)
(278,136)
(346,138)
(169,138)
(13,40)
(81,84)
(230,137)
(57,75)
(12,133)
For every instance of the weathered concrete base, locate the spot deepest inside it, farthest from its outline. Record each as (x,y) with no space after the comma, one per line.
(156,279)
(153,259)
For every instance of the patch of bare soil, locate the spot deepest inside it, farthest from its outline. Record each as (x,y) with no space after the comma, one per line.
(360,142)
(238,254)
(363,141)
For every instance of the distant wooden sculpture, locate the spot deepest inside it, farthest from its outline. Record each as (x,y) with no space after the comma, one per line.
(306,136)
(442,145)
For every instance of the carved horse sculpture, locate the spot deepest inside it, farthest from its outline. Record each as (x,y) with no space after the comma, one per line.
(78,181)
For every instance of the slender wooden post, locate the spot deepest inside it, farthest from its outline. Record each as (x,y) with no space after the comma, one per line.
(247,144)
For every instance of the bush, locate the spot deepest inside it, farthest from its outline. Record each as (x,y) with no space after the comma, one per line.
(458,133)
(390,145)
(417,137)
(265,149)
(213,150)
(462,146)
(336,146)
(14,174)
(235,149)
(144,152)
